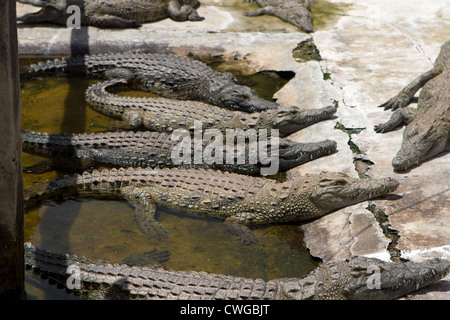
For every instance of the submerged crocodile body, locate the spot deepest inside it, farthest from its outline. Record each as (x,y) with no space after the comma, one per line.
(295,12)
(356,278)
(427,132)
(169,114)
(164,74)
(113,13)
(79,152)
(239,200)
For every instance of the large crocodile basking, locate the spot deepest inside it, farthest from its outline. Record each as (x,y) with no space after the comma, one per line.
(239,200)
(112,13)
(295,12)
(79,152)
(356,278)
(169,114)
(164,74)
(427,132)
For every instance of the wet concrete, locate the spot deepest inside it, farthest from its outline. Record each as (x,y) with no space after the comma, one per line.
(370,50)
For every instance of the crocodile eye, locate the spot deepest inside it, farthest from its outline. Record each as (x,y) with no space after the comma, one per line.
(326,182)
(230,103)
(243,96)
(340,182)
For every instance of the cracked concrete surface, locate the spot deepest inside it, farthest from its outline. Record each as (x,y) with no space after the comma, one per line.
(370,52)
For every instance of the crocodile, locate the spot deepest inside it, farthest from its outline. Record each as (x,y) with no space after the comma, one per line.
(241,201)
(169,114)
(164,74)
(112,13)
(78,152)
(427,132)
(295,12)
(355,278)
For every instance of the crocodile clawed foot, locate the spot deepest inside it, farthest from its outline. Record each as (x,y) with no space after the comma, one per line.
(244,234)
(397,102)
(379,128)
(148,258)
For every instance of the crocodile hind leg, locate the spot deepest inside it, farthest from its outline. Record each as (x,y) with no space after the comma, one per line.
(402,116)
(402,99)
(179,12)
(144,213)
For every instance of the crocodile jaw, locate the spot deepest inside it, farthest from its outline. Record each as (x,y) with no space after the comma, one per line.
(298,153)
(333,193)
(48,12)
(363,278)
(291,119)
(238,97)
(417,148)
(381,281)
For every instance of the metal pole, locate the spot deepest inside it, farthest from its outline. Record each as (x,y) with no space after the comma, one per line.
(11,185)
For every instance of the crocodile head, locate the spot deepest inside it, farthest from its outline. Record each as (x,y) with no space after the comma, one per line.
(292,154)
(291,119)
(419,145)
(362,278)
(51,10)
(300,17)
(337,190)
(243,98)
(376,280)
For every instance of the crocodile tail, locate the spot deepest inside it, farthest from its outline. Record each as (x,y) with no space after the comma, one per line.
(77,64)
(99,99)
(47,145)
(101,184)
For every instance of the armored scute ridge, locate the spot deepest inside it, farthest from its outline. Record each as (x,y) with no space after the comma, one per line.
(350,279)
(295,12)
(427,131)
(241,201)
(164,74)
(113,13)
(79,152)
(168,114)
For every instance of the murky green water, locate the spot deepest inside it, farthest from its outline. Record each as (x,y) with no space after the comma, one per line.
(105,229)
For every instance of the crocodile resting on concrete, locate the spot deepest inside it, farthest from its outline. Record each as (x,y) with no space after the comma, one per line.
(164,74)
(239,200)
(112,13)
(78,152)
(169,114)
(356,278)
(295,12)
(427,131)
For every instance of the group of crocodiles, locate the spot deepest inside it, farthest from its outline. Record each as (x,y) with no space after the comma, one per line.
(133,13)
(143,173)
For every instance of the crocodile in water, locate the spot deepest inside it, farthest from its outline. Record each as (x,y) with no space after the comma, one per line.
(427,132)
(356,278)
(78,152)
(165,74)
(112,13)
(239,200)
(295,12)
(169,114)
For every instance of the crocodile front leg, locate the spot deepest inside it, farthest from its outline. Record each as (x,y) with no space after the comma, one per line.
(400,117)
(144,213)
(407,93)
